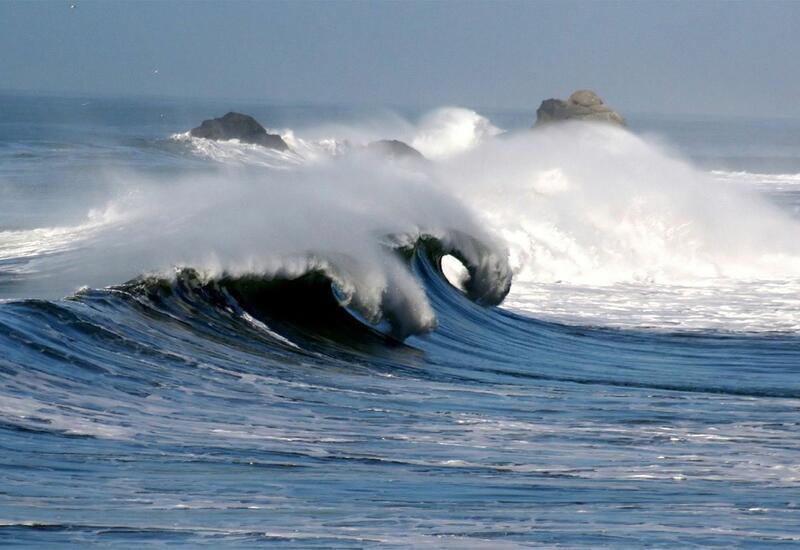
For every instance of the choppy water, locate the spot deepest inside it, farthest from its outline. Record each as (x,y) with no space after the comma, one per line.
(639,386)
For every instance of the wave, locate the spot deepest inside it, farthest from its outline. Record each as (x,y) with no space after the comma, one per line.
(228,320)
(759,179)
(595,224)
(321,296)
(344,219)
(234,151)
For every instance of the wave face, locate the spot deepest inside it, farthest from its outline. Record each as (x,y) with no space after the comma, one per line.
(569,337)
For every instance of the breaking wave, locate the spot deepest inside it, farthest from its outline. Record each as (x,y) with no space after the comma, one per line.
(595,224)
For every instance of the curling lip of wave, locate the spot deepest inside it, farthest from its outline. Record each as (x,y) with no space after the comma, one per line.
(317,294)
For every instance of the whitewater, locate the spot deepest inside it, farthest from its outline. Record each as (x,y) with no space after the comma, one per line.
(577,335)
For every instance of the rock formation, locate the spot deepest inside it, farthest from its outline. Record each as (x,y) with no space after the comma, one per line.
(582,105)
(394,149)
(238,126)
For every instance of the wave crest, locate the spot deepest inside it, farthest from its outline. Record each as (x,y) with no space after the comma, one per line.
(313,292)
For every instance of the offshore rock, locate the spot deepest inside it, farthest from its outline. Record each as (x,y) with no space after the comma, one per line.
(238,126)
(581,105)
(394,149)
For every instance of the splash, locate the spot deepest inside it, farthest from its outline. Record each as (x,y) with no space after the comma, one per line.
(608,228)
(450,131)
(594,204)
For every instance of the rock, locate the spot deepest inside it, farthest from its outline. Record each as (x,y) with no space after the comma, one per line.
(582,105)
(585,98)
(238,126)
(394,149)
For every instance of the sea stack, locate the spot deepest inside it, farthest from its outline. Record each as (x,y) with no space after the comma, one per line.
(238,126)
(581,105)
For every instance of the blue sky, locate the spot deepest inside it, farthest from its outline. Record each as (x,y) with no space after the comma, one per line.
(666,57)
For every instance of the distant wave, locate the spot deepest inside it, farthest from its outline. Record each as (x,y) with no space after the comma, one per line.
(233,151)
(440,134)
(771,181)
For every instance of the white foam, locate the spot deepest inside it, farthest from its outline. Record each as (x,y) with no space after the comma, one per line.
(776,182)
(70,419)
(234,151)
(451,130)
(607,228)
(26,246)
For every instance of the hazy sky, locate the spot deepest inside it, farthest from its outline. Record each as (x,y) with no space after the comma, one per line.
(698,57)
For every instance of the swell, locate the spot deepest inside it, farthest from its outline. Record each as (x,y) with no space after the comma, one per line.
(155,332)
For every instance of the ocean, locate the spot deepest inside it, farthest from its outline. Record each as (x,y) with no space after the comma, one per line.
(578,336)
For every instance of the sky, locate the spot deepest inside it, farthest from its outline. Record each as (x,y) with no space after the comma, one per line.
(723,58)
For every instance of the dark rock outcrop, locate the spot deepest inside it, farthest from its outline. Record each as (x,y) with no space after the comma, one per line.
(238,126)
(394,149)
(582,105)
